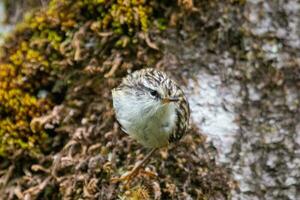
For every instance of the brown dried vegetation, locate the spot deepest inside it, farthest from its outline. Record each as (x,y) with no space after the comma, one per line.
(86,56)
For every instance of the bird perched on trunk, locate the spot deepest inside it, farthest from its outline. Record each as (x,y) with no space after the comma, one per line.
(152,109)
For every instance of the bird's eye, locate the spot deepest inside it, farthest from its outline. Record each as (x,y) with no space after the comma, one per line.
(154,93)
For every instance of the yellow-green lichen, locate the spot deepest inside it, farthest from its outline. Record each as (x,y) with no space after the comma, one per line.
(120,16)
(17,107)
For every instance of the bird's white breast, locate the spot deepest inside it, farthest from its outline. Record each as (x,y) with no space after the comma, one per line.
(147,121)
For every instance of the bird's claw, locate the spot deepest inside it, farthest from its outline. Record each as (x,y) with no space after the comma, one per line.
(148,173)
(128,176)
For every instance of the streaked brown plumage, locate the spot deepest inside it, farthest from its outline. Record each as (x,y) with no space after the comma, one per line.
(151,108)
(145,81)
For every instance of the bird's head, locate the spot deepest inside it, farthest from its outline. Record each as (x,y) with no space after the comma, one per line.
(154,87)
(148,92)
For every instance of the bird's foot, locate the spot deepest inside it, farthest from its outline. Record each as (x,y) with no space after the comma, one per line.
(129,176)
(148,173)
(126,177)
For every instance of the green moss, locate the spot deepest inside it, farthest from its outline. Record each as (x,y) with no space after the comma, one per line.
(17,107)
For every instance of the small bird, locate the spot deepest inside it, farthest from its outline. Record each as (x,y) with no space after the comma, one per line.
(152,109)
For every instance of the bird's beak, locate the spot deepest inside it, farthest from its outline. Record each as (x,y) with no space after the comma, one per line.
(169,99)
